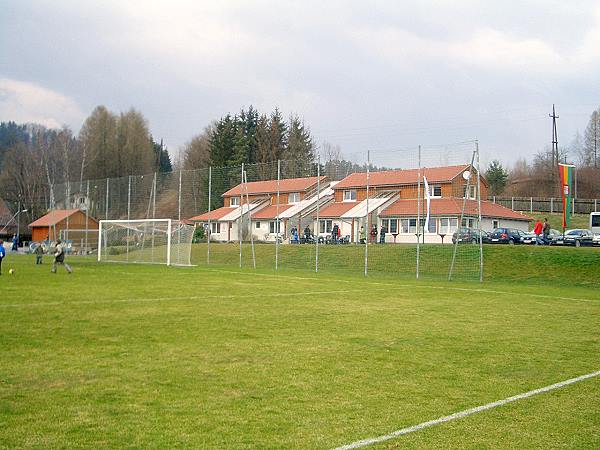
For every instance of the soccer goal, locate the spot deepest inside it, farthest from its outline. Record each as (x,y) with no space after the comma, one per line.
(150,241)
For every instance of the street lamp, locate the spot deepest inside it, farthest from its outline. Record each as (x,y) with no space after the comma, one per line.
(19,223)
(11,219)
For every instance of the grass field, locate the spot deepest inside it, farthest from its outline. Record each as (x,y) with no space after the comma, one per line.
(145,356)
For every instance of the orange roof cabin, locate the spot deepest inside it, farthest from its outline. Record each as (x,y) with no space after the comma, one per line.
(64,224)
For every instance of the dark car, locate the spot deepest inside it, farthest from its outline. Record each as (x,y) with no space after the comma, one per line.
(470,236)
(509,236)
(578,238)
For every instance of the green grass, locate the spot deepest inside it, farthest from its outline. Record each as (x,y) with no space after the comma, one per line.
(136,356)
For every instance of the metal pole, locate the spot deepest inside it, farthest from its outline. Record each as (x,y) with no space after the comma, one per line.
(418,213)
(106,202)
(87,214)
(367,241)
(18,223)
(512,203)
(240,219)
(250,220)
(153,213)
(67,204)
(479,210)
(128,212)
(551,205)
(277,217)
(209,225)
(318,206)
(179,220)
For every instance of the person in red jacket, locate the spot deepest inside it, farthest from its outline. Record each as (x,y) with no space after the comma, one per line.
(537,229)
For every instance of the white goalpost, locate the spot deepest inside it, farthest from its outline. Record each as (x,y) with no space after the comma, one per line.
(145,241)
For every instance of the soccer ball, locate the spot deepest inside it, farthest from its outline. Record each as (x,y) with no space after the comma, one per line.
(11,271)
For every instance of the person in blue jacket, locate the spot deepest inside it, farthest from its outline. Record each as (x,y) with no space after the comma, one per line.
(2,254)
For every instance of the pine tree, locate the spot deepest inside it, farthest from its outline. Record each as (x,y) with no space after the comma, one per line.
(300,149)
(497,176)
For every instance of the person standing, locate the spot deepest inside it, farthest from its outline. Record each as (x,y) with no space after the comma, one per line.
(39,253)
(334,233)
(2,254)
(362,235)
(546,231)
(537,230)
(15,243)
(59,257)
(374,233)
(382,233)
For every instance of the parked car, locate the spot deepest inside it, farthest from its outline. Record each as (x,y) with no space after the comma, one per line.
(555,237)
(578,238)
(596,239)
(509,236)
(529,238)
(467,235)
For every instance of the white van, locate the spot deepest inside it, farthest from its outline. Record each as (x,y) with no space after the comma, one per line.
(595,222)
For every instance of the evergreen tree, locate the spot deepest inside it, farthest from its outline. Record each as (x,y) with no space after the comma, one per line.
(497,176)
(277,136)
(300,150)
(161,157)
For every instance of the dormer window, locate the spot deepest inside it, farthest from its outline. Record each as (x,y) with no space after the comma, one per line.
(294,197)
(234,201)
(472,194)
(435,190)
(350,196)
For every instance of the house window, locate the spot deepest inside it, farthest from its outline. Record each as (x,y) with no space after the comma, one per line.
(215,227)
(471,223)
(393,226)
(257,225)
(435,190)
(404,226)
(447,225)
(325,226)
(234,201)
(472,192)
(432,225)
(274,226)
(294,197)
(412,226)
(350,196)
(495,223)
(385,223)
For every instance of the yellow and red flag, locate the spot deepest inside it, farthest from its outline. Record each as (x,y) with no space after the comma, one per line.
(566,182)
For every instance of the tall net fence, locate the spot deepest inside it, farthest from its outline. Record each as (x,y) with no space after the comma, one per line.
(325,216)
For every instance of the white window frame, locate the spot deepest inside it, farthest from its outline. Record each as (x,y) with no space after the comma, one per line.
(273,225)
(215,227)
(350,195)
(234,201)
(495,223)
(325,226)
(472,192)
(257,225)
(432,189)
(294,197)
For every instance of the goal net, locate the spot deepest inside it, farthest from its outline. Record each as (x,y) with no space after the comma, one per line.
(150,241)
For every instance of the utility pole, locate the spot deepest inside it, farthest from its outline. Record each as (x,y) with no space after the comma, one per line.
(555,156)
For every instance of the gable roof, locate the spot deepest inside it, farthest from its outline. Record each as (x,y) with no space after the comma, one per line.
(270,186)
(54,217)
(452,207)
(402,177)
(336,209)
(215,214)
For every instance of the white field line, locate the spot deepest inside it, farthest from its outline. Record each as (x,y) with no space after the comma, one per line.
(416,285)
(184,298)
(465,413)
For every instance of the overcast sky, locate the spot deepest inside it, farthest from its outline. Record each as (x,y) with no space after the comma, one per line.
(373,75)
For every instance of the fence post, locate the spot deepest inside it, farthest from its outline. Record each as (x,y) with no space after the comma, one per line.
(241,221)
(277,226)
(551,205)
(128,213)
(87,214)
(419,213)
(573,209)
(595,205)
(494,199)
(512,203)
(530,204)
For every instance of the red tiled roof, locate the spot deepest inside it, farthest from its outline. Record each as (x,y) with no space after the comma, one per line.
(54,217)
(270,212)
(452,206)
(336,209)
(401,177)
(270,186)
(215,214)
